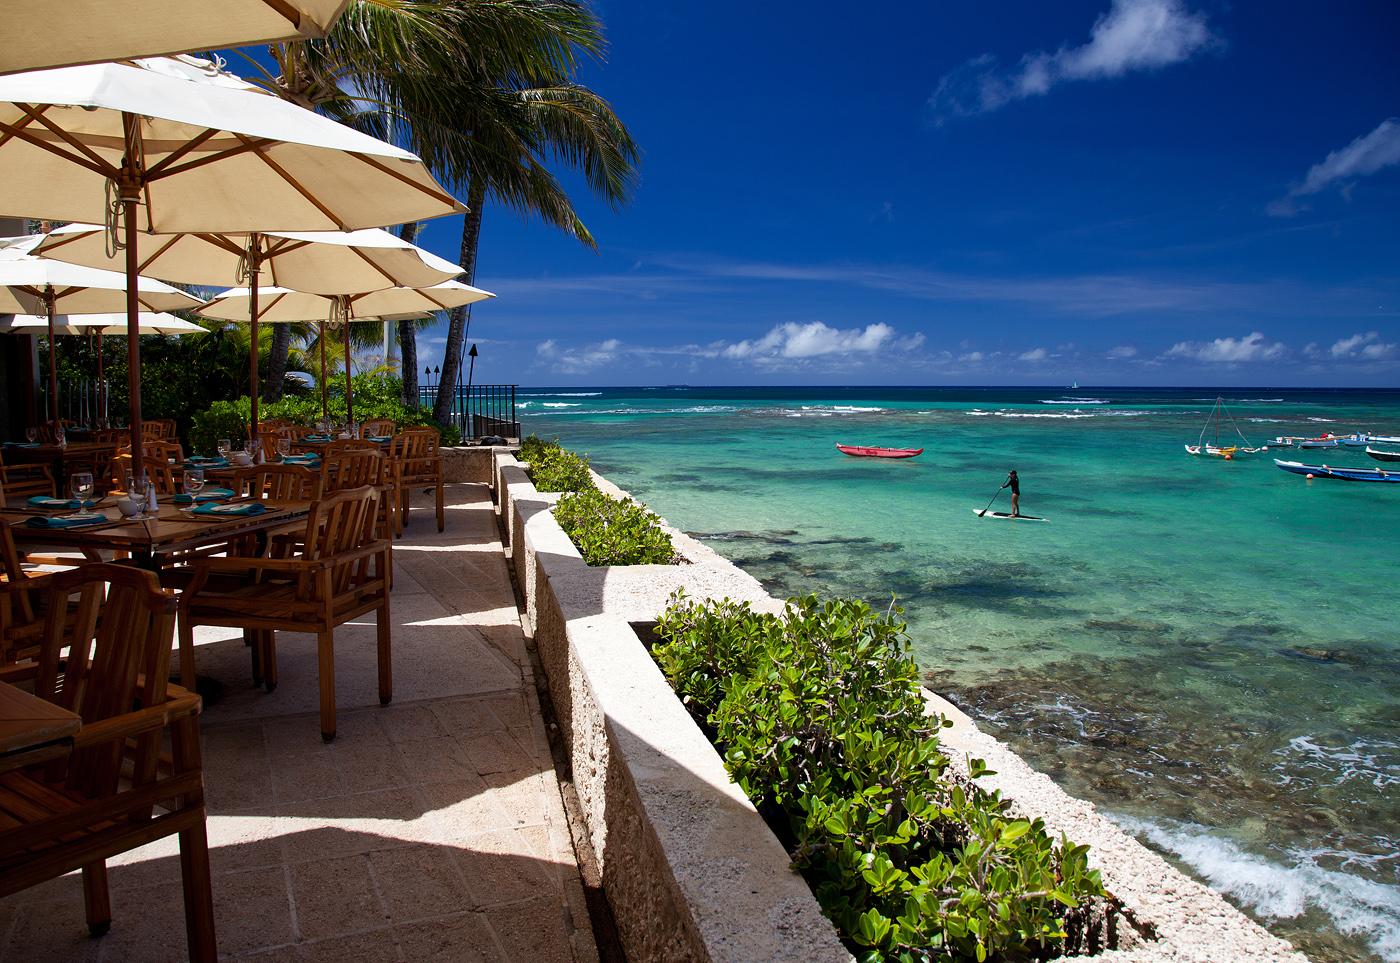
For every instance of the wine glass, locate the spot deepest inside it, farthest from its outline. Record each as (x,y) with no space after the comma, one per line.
(80,487)
(139,488)
(32,433)
(194,482)
(60,437)
(284,448)
(224,446)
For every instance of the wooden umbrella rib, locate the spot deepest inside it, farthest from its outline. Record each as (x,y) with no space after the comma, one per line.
(284,9)
(194,143)
(101,169)
(171,242)
(370,261)
(297,187)
(69,139)
(243,148)
(30,112)
(220,241)
(436,195)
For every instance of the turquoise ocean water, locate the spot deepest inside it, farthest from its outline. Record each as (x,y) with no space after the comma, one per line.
(1206,649)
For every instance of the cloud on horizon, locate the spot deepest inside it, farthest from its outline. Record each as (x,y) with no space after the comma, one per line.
(1134,35)
(1365,155)
(814,339)
(1252,347)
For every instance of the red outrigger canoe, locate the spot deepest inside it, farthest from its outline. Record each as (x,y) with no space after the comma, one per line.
(865,451)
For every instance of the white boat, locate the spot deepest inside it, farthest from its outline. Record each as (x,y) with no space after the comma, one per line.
(1327,442)
(1356,439)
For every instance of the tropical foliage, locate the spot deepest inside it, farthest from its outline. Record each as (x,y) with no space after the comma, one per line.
(820,717)
(613,531)
(375,396)
(554,468)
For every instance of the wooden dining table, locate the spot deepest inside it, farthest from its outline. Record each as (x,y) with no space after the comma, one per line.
(171,531)
(62,460)
(31,729)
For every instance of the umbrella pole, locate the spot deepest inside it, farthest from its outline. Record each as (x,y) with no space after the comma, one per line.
(129,192)
(349,402)
(321,340)
(101,384)
(254,254)
(49,300)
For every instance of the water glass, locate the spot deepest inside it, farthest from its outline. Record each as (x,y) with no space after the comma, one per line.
(284,447)
(31,433)
(194,482)
(139,488)
(60,437)
(80,487)
(225,446)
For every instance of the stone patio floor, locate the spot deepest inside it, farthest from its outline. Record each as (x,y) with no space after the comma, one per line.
(430,829)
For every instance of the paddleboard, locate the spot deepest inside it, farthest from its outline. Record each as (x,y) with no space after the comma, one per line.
(1008,516)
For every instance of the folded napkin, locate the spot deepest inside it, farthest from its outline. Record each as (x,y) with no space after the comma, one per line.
(21,444)
(203,461)
(205,495)
(67,521)
(301,459)
(44,501)
(379,438)
(238,508)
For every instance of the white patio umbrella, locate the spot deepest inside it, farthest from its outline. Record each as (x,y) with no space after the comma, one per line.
(320,262)
(198,149)
(284,306)
(60,33)
(35,285)
(152,323)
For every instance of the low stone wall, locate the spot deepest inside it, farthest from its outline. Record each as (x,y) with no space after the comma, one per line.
(469,463)
(689,867)
(691,870)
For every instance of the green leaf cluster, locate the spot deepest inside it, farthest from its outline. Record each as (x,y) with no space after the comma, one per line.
(554,468)
(613,531)
(375,396)
(820,718)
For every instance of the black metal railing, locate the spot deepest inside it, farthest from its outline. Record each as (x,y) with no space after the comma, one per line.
(478,411)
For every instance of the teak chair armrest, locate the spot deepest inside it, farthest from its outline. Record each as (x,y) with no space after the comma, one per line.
(135,723)
(18,672)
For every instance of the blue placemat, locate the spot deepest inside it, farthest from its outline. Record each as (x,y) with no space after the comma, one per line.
(379,438)
(201,461)
(317,438)
(44,501)
(67,521)
(21,444)
(224,511)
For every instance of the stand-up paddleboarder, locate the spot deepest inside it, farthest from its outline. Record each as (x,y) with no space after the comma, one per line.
(1015,484)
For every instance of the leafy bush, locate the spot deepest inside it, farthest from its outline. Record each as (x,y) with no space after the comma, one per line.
(222,419)
(612,531)
(555,469)
(819,715)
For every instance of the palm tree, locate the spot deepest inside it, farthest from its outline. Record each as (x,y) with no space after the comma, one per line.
(482,91)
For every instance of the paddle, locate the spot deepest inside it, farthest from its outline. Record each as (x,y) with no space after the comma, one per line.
(989,504)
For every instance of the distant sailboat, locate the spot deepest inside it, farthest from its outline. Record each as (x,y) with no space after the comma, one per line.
(1073,386)
(1202,447)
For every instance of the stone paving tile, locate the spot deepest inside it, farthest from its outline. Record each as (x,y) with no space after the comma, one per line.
(430,829)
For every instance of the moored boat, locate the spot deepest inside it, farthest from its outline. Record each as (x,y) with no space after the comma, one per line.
(1380,455)
(1341,474)
(1357,439)
(1213,447)
(1327,441)
(870,451)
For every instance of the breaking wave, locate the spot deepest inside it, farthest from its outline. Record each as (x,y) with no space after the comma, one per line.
(1357,906)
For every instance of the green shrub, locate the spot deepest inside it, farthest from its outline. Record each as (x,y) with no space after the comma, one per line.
(557,469)
(533,448)
(612,531)
(222,419)
(819,715)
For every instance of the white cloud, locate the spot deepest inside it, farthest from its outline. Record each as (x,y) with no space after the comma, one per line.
(972,357)
(1365,155)
(1252,347)
(1034,355)
(798,341)
(1122,352)
(1133,35)
(580,358)
(1364,347)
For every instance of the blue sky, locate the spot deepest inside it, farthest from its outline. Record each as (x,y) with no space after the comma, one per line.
(1113,191)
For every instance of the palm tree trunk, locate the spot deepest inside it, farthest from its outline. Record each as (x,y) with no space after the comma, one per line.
(277,362)
(459,318)
(408,335)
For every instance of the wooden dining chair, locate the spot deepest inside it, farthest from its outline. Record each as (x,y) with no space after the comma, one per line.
(379,427)
(160,473)
(284,482)
(338,571)
(350,464)
(114,792)
(21,608)
(24,481)
(426,470)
